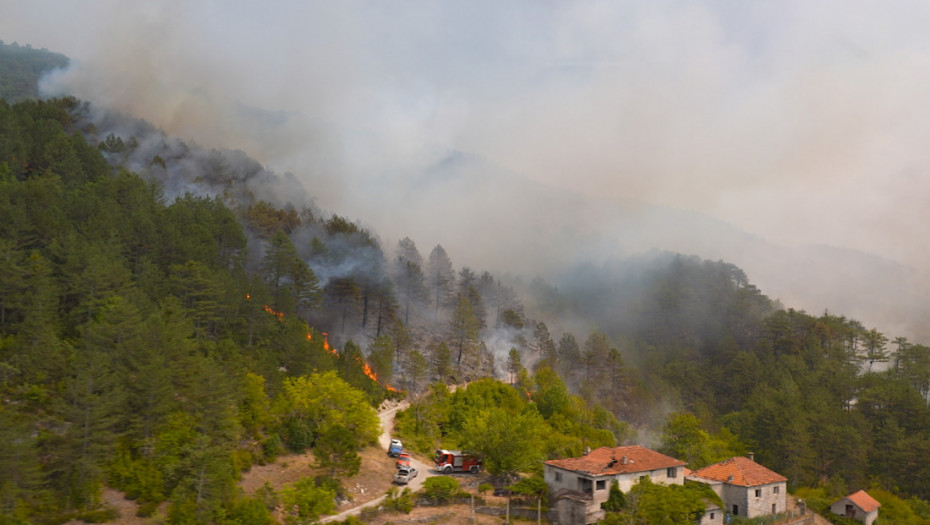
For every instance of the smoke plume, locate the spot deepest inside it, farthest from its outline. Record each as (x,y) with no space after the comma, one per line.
(785,137)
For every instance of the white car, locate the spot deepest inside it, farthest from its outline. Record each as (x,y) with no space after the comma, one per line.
(404,475)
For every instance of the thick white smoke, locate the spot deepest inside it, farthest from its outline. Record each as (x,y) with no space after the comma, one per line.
(532,133)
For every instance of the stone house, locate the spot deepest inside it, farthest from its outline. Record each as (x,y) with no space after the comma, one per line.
(713,514)
(579,485)
(747,488)
(858,506)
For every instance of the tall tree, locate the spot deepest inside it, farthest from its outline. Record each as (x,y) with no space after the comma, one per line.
(542,343)
(415,370)
(463,330)
(442,360)
(915,368)
(23,484)
(875,344)
(347,293)
(292,282)
(94,407)
(514,366)
(408,274)
(381,358)
(468,287)
(569,357)
(440,279)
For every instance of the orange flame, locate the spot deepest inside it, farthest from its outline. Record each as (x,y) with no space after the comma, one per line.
(326,345)
(365,368)
(272,311)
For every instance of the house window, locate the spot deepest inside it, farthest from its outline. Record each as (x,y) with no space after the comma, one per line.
(711,515)
(773,508)
(585,485)
(736,510)
(775,489)
(758,493)
(672,472)
(601,484)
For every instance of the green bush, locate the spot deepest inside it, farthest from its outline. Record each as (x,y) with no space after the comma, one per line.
(267,496)
(138,478)
(272,447)
(99,515)
(440,489)
(147,509)
(307,501)
(249,511)
(399,501)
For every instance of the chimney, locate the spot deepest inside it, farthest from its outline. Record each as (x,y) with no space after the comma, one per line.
(752,456)
(623,460)
(587,450)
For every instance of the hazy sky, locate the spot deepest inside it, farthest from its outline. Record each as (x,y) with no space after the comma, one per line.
(800,121)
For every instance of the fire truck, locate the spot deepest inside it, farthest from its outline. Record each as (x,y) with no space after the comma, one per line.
(449,461)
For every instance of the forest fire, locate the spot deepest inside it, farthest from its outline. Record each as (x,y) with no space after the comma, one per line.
(326,346)
(372,374)
(366,369)
(270,310)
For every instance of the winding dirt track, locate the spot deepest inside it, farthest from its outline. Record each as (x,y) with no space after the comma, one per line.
(387,428)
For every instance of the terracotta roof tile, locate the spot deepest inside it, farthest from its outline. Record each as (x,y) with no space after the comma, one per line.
(740,471)
(865,502)
(607,461)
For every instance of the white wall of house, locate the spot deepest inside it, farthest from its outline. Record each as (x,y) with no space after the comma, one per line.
(557,479)
(712,516)
(750,502)
(840,508)
(665,476)
(598,487)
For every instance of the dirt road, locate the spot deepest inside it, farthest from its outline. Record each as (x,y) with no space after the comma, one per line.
(425,470)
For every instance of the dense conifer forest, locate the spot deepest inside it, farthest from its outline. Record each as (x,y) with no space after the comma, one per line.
(165,324)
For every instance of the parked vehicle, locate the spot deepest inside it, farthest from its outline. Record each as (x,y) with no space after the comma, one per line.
(395,448)
(403,460)
(448,461)
(404,475)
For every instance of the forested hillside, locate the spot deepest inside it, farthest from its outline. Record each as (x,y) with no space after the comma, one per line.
(171,315)
(21,67)
(137,351)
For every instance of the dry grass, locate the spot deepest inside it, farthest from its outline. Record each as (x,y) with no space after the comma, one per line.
(373,480)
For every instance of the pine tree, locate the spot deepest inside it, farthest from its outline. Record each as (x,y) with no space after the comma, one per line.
(463,330)
(416,368)
(440,279)
(409,276)
(94,407)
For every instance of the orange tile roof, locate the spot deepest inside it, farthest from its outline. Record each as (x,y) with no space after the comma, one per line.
(740,471)
(608,461)
(865,502)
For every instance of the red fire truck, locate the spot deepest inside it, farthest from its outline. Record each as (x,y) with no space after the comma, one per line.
(449,461)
